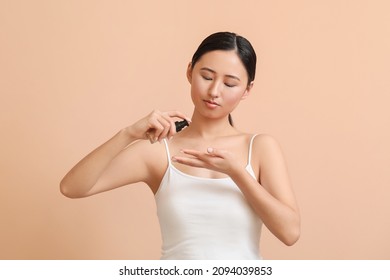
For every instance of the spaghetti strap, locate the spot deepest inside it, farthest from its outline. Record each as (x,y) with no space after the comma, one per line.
(167,149)
(250,149)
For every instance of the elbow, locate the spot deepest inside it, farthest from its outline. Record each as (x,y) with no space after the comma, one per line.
(292,236)
(67,191)
(293,232)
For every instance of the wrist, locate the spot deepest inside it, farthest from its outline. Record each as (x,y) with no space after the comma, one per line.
(129,134)
(237,172)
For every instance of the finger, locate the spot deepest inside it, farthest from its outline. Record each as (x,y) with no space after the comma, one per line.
(194,162)
(159,125)
(164,133)
(211,153)
(179,115)
(171,130)
(155,130)
(194,153)
(164,128)
(167,121)
(205,158)
(149,137)
(215,152)
(163,125)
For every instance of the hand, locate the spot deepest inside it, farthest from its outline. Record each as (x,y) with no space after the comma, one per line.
(156,126)
(218,160)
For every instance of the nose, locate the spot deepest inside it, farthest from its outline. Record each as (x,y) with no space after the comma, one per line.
(214,90)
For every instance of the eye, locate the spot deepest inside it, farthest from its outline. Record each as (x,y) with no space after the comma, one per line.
(229,85)
(207,78)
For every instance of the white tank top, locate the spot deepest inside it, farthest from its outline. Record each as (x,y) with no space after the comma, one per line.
(205,219)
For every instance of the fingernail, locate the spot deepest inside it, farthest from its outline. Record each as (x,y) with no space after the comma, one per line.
(209,150)
(174,159)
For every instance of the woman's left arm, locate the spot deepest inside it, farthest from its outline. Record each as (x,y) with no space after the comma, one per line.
(272,197)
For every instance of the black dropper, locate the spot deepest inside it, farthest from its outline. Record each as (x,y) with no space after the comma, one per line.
(181,124)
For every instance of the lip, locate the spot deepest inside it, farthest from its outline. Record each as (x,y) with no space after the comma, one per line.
(210,102)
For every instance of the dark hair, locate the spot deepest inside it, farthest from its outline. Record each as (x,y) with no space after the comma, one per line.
(229,41)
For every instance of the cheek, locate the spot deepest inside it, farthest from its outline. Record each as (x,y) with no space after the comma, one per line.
(198,87)
(196,91)
(232,97)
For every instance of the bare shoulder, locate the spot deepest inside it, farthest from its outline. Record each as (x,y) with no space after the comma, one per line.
(270,161)
(265,141)
(152,154)
(145,149)
(264,137)
(153,157)
(267,153)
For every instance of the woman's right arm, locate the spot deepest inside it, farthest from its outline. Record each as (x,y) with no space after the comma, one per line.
(119,161)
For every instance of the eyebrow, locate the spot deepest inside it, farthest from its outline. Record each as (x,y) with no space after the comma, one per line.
(212,71)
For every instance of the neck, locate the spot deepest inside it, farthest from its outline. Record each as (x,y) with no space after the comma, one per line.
(207,128)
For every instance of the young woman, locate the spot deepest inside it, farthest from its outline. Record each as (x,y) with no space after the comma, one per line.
(214,185)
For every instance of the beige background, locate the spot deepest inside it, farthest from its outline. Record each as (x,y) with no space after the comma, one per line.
(72,73)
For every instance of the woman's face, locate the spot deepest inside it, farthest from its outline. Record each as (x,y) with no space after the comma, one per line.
(218,82)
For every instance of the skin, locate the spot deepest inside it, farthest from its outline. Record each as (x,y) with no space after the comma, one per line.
(210,147)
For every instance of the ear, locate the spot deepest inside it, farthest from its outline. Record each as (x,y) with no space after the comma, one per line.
(189,72)
(247,91)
